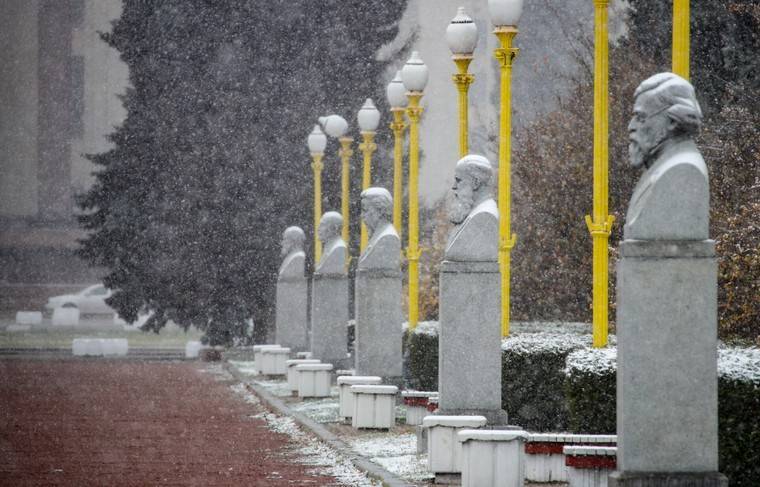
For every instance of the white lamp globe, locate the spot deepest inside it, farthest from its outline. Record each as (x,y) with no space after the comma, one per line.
(505,12)
(368,116)
(462,34)
(317,141)
(414,73)
(334,125)
(396,92)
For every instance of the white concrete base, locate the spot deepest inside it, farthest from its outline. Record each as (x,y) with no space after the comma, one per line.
(374,406)
(345,382)
(596,464)
(193,349)
(99,347)
(65,317)
(257,355)
(444,448)
(28,318)
(314,380)
(18,328)
(417,404)
(292,373)
(544,457)
(493,457)
(273,361)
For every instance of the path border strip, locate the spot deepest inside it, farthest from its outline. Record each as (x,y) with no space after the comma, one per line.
(362,463)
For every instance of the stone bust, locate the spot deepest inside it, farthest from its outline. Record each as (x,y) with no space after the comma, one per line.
(475,237)
(672,199)
(384,246)
(292,252)
(333,259)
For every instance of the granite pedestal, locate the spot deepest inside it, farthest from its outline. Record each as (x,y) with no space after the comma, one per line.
(329,318)
(377,347)
(469,345)
(292,322)
(667,405)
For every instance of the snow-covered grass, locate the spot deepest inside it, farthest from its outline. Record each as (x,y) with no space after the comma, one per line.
(396,453)
(245,367)
(320,410)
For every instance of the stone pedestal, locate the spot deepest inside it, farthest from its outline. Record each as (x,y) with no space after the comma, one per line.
(469,345)
(667,405)
(292,322)
(377,348)
(329,317)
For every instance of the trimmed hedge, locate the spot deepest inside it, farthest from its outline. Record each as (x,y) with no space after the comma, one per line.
(421,354)
(590,391)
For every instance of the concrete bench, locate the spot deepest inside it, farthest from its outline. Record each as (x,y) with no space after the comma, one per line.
(416,403)
(99,347)
(589,466)
(346,402)
(28,318)
(545,460)
(65,317)
(492,457)
(292,373)
(273,361)
(314,380)
(444,449)
(374,406)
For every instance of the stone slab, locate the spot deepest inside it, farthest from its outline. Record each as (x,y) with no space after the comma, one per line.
(378,347)
(667,362)
(65,317)
(28,318)
(469,344)
(291,319)
(329,318)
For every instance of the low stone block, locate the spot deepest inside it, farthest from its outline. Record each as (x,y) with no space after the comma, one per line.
(99,347)
(257,357)
(291,321)
(292,373)
(273,361)
(18,328)
(314,380)
(444,449)
(65,317)
(589,466)
(114,346)
(544,456)
(346,409)
(193,349)
(417,403)
(28,318)
(303,355)
(492,457)
(374,406)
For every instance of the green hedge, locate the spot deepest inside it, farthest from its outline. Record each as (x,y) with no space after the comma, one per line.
(590,391)
(532,379)
(421,352)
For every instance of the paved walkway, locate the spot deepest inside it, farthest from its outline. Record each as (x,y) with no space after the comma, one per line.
(98,422)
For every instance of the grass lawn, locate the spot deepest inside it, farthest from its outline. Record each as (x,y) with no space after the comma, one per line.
(171,337)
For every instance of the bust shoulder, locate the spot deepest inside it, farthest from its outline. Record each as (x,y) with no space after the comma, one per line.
(293,265)
(383,250)
(333,258)
(477,238)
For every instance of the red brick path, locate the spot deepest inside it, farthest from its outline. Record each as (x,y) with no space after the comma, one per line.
(72,422)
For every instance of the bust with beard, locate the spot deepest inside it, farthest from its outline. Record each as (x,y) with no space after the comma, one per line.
(333,261)
(384,247)
(292,252)
(672,199)
(475,237)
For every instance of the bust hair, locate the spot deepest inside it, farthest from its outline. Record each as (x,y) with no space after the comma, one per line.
(677,97)
(294,234)
(478,168)
(381,199)
(332,220)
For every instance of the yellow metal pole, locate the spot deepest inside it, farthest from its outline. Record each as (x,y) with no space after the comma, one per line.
(681,38)
(601,223)
(463,80)
(367,147)
(505,55)
(317,167)
(345,157)
(398,126)
(414,112)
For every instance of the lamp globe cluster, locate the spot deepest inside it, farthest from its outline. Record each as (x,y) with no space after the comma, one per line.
(462,34)
(334,125)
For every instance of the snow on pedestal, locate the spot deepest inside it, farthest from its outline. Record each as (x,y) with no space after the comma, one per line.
(292,373)
(492,457)
(65,317)
(589,466)
(444,450)
(417,403)
(314,380)
(544,457)
(345,382)
(374,406)
(273,361)
(28,318)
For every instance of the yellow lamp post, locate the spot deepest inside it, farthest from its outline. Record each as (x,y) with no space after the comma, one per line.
(397,99)
(504,17)
(317,142)
(368,118)
(681,33)
(600,224)
(336,126)
(462,37)
(415,76)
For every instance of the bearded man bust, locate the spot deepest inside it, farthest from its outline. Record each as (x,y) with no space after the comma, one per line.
(475,237)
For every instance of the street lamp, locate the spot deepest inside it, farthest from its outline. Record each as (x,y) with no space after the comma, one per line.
(504,16)
(415,76)
(462,37)
(397,100)
(336,126)
(681,38)
(600,224)
(368,118)
(317,142)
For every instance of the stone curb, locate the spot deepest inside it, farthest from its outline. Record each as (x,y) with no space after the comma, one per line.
(360,462)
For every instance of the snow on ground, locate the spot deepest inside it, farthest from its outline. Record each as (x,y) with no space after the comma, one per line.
(320,410)
(244,367)
(395,453)
(739,364)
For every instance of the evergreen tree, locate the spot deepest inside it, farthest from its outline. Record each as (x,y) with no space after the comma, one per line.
(210,164)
